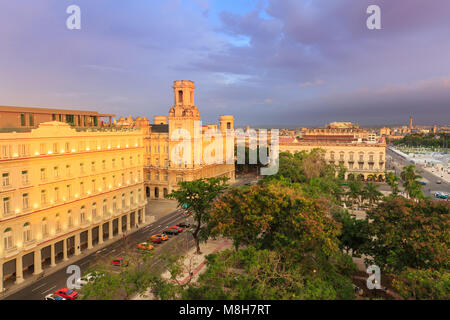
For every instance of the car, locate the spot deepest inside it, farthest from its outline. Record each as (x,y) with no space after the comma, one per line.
(423,183)
(67,294)
(173,232)
(90,277)
(159,237)
(120,262)
(184,224)
(145,246)
(178,228)
(53,296)
(439,182)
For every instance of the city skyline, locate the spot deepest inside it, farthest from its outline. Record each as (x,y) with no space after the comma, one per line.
(297,64)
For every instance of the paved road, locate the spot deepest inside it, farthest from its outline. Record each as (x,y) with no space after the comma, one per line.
(431,187)
(39,289)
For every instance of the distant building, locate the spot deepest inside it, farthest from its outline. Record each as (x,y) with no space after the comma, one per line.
(24,118)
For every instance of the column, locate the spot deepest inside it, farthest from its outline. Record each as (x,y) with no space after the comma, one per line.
(52,255)
(110,225)
(65,258)
(100,233)
(128,222)
(37,261)
(89,238)
(77,244)
(1,277)
(19,270)
(143,215)
(120,224)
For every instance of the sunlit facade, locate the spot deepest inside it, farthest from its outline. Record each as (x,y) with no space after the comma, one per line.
(64,190)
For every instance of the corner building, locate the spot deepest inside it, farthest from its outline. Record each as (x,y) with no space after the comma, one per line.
(65,190)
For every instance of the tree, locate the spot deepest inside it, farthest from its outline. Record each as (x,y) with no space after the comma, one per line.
(410,182)
(392,180)
(371,193)
(423,284)
(274,216)
(199,196)
(354,234)
(405,234)
(355,192)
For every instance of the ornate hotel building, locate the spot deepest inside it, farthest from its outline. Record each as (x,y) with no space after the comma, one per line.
(64,190)
(162,172)
(362,155)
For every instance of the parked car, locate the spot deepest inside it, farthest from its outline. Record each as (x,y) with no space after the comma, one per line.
(184,224)
(90,277)
(67,294)
(439,182)
(53,296)
(179,229)
(145,246)
(120,262)
(173,232)
(423,183)
(159,237)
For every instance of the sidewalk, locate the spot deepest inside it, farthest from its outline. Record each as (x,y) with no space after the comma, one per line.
(196,264)
(155,210)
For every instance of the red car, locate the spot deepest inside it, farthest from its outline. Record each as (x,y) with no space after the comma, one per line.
(66,293)
(179,229)
(119,262)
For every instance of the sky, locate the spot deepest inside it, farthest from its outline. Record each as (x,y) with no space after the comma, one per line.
(270,63)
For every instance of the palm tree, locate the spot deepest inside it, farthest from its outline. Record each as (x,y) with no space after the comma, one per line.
(355,191)
(371,193)
(392,180)
(410,182)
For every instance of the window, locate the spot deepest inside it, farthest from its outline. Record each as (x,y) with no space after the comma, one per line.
(55,148)
(82,167)
(228,125)
(69,191)
(42,148)
(22,119)
(140,195)
(105,208)
(83,215)
(123,200)
(27,232)
(25,177)
(114,204)
(67,148)
(58,223)
(131,161)
(104,183)
(56,194)
(113,163)
(69,219)
(25,201)
(93,165)
(56,172)
(123,179)
(157,176)
(93,186)
(31,120)
(6,205)
(43,174)
(44,227)
(5,179)
(7,239)
(179,178)
(123,161)
(94,210)
(43,197)
(131,197)
(166,177)
(104,164)
(81,188)
(68,171)
(6,151)
(131,177)
(24,150)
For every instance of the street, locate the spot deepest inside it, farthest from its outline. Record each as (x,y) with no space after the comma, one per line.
(431,187)
(48,284)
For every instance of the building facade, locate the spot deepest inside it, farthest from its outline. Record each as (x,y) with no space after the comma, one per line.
(25,118)
(162,169)
(65,190)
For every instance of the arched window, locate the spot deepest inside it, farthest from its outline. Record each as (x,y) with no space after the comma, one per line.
(57,223)
(105,208)
(94,210)
(82,215)
(69,219)
(26,232)
(114,204)
(8,238)
(44,227)
(180,96)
